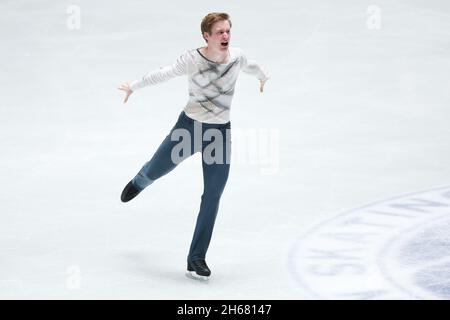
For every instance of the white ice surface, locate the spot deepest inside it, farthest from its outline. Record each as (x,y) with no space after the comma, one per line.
(362,114)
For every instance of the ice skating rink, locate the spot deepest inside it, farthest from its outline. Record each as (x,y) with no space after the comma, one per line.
(340,185)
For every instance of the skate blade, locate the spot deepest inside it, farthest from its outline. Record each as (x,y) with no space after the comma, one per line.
(193,275)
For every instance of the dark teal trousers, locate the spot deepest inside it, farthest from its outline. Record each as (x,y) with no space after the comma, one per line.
(187,137)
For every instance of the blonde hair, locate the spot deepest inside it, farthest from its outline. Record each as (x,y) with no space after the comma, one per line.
(211,18)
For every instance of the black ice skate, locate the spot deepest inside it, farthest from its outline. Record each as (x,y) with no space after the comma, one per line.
(198,270)
(129,192)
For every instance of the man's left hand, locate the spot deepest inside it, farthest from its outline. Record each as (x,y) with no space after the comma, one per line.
(262,83)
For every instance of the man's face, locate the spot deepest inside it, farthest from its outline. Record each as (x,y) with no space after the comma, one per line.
(220,35)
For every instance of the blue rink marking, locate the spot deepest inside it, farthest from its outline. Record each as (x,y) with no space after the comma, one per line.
(433,279)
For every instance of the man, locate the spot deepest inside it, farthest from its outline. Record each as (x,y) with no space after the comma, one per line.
(212,73)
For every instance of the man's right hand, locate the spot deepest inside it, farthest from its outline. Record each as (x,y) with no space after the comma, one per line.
(126,87)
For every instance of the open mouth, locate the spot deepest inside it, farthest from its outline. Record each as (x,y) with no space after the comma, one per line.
(224,44)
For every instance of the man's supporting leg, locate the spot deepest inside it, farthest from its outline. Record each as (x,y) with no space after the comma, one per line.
(215,177)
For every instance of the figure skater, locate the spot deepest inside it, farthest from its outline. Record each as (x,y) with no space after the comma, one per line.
(204,124)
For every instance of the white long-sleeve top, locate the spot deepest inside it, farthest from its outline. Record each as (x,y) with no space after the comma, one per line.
(211,84)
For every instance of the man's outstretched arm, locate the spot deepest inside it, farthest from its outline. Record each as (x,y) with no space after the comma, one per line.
(253,68)
(156,76)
